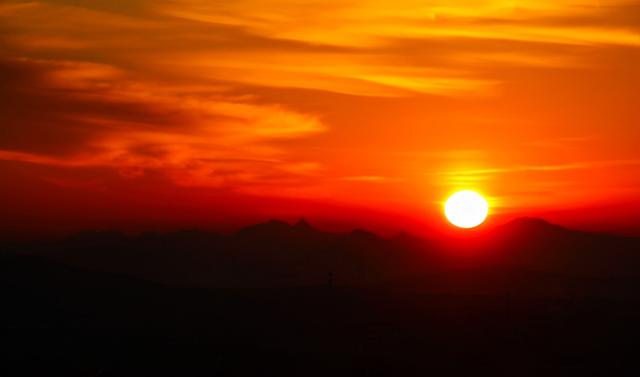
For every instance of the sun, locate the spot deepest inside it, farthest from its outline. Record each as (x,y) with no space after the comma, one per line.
(466,209)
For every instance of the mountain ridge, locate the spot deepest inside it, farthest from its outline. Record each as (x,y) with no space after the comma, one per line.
(277,253)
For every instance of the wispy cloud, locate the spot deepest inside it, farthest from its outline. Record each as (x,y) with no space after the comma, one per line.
(133,126)
(538,168)
(284,96)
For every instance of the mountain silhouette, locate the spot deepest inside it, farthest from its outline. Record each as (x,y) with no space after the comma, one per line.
(539,245)
(276,253)
(524,298)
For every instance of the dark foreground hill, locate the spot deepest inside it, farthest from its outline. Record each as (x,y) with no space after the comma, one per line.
(282,300)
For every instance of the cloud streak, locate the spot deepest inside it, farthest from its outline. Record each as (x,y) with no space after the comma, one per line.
(135,126)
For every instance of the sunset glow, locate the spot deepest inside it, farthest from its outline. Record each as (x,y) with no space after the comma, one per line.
(466,209)
(214,114)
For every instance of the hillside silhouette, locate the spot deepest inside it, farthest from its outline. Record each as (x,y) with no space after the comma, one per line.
(525,298)
(277,254)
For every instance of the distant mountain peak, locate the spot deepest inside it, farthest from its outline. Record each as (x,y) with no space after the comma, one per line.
(275,222)
(526,220)
(303,224)
(405,237)
(535,227)
(363,234)
(534,223)
(268,227)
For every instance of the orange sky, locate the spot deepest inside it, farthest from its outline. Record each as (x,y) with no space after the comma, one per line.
(201,113)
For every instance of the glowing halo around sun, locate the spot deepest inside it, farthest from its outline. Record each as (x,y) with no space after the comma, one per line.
(466,209)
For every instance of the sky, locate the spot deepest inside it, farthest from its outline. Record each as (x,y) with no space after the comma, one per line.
(182,113)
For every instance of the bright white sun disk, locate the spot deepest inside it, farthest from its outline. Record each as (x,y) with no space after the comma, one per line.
(466,209)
